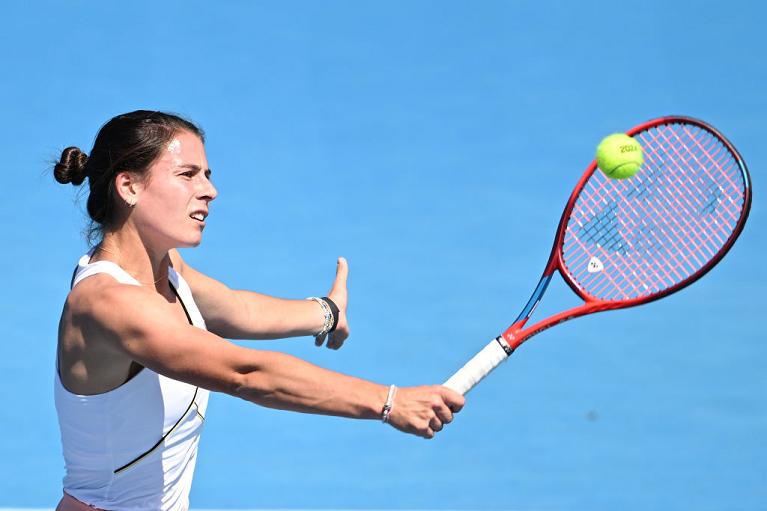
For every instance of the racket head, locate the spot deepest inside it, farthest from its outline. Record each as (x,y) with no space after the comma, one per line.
(625,242)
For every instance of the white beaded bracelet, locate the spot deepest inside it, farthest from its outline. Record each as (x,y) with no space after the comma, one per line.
(389,404)
(328,324)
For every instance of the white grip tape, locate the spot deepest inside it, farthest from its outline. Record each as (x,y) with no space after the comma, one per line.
(477,368)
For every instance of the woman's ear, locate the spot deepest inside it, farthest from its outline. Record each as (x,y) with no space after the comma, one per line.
(128,187)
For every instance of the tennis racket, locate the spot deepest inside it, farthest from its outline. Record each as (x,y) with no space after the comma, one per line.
(627,242)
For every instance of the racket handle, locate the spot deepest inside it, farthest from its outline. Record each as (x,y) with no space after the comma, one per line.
(479,366)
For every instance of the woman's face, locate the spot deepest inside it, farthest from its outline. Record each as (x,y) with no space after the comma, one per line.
(173,202)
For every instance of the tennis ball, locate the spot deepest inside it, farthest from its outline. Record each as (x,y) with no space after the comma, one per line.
(619,156)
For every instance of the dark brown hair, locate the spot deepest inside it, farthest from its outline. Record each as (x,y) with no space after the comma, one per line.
(128,142)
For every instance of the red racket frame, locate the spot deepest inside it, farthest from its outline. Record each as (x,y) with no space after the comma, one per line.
(516,334)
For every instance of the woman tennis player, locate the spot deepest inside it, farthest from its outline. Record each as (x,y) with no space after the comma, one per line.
(142,334)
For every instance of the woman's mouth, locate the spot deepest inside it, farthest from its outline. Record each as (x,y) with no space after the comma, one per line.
(199,216)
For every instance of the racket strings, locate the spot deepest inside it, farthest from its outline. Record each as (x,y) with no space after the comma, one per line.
(637,237)
(674,261)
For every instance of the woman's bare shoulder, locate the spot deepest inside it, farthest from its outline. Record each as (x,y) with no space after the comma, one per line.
(100,296)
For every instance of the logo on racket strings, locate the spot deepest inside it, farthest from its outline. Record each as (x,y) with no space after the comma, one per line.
(595,265)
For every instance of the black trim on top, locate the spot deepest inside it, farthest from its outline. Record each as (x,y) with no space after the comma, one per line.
(188,317)
(160,441)
(74,274)
(192,403)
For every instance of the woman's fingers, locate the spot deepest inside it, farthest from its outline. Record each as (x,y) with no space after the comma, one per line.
(424,411)
(339,294)
(339,284)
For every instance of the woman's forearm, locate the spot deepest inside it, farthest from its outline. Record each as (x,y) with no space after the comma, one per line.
(281,381)
(258,316)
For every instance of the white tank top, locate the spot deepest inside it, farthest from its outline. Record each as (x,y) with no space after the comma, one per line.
(134,447)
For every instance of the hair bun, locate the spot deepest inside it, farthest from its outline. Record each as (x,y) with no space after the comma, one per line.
(71,167)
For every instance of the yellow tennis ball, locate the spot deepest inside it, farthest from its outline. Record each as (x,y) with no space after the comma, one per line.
(619,156)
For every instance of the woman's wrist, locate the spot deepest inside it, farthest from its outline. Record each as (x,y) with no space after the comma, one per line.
(334,310)
(330,314)
(389,404)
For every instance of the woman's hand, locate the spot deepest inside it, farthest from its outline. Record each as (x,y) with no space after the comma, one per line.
(423,411)
(340,297)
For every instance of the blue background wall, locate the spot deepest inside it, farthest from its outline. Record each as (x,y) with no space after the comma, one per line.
(433,144)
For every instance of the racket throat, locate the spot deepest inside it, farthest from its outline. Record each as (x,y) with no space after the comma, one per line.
(535,299)
(510,337)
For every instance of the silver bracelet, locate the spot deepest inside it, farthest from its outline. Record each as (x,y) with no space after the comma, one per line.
(328,323)
(389,404)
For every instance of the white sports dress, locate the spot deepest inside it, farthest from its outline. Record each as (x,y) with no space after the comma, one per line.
(134,447)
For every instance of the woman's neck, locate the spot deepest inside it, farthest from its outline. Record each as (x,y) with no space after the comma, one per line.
(128,251)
